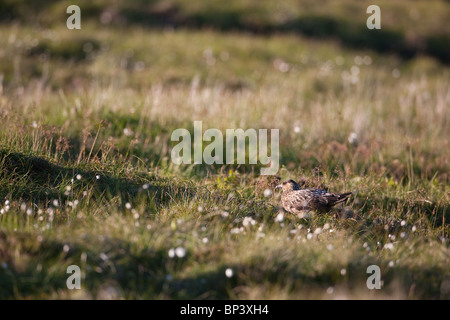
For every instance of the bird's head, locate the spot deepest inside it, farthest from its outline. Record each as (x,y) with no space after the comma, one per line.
(288,185)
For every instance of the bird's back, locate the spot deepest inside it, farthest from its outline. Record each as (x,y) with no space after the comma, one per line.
(297,201)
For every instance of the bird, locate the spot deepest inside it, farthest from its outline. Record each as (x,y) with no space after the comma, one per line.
(298,201)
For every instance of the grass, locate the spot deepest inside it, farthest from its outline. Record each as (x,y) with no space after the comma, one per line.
(86,176)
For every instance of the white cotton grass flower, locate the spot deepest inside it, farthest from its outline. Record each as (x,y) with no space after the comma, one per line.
(267,193)
(180,252)
(248,221)
(171,253)
(103,256)
(343,272)
(229,272)
(236,230)
(279,217)
(297,129)
(354,70)
(128,205)
(78,176)
(205,240)
(403,223)
(358,60)
(128,132)
(97,177)
(145,186)
(367,60)
(353,138)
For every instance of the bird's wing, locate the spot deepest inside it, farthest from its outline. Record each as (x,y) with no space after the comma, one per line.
(298,200)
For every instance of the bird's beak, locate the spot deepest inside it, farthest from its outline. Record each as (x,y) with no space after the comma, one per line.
(278,186)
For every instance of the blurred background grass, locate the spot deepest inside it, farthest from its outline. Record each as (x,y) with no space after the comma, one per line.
(409,28)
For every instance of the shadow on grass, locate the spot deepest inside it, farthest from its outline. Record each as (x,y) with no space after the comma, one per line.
(30,178)
(40,272)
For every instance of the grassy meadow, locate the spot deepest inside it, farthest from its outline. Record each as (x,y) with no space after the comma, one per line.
(86,176)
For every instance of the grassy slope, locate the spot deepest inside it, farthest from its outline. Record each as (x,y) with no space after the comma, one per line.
(60,121)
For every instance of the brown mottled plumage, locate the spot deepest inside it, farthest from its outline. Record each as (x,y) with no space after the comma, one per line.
(297,201)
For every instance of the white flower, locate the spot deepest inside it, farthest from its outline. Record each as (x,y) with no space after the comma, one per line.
(343,272)
(248,221)
(229,272)
(180,252)
(367,60)
(279,217)
(103,256)
(267,193)
(353,138)
(171,253)
(403,223)
(128,132)
(358,60)
(128,205)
